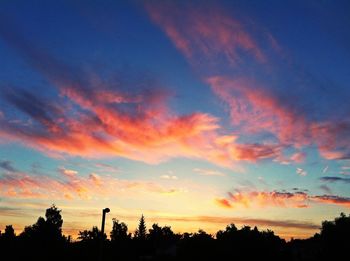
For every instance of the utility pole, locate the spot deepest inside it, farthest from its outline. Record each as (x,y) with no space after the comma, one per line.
(104,211)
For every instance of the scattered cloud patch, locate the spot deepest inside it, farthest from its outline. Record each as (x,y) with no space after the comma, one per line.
(173,177)
(301,172)
(223,202)
(67,172)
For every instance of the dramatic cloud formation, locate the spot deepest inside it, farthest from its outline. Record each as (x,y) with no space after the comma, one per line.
(215,47)
(101,118)
(295,199)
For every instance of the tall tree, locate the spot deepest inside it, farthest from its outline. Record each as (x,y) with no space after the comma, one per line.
(141,232)
(54,222)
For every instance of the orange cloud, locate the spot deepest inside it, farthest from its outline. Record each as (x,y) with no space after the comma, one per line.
(223,202)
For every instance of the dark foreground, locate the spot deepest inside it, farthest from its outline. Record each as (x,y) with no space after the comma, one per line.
(44,241)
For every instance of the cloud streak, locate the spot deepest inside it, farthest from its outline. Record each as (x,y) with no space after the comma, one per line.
(69,187)
(330,179)
(279,199)
(208,172)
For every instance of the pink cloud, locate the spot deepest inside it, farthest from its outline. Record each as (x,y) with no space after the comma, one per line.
(147,131)
(253,110)
(332,139)
(224,41)
(198,37)
(263,199)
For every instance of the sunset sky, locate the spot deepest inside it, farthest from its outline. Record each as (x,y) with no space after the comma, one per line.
(196,114)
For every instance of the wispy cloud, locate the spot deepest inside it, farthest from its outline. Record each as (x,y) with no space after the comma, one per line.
(326,189)
(198,37)
(253,109)
(23,185)
(325,169)
(332,199)
(103,167)
(345,170)
(173,177)
(208,172)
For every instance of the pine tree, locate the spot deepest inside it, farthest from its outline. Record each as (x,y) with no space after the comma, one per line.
(140,233)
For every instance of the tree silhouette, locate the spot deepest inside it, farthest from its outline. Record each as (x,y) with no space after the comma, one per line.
(54,218)
(9,233)
(160,234)
(44,241)
(46,230)
(119,231)
(93,235)
(141,232)
(335,236)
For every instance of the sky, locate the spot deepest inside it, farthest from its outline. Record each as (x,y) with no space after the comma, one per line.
(196,114)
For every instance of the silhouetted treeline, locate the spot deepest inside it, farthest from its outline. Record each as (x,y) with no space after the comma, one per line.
(44,241)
